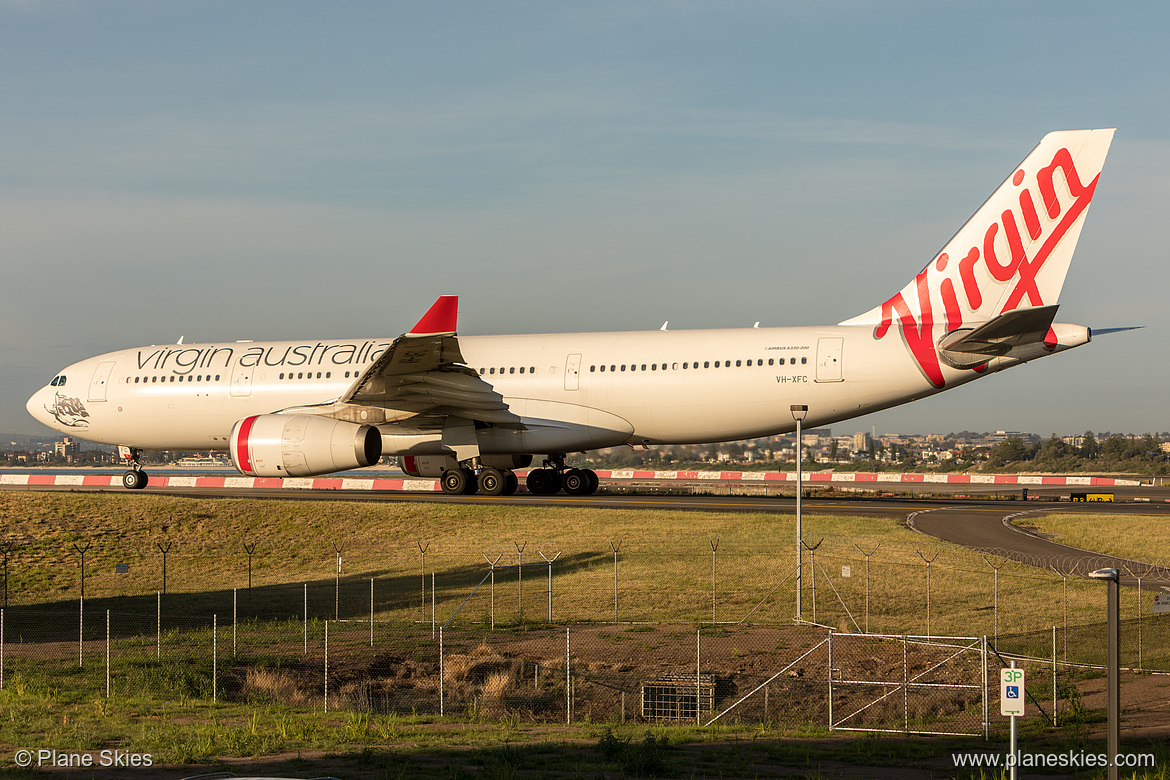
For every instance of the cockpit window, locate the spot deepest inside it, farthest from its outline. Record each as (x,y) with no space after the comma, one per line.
(58,381)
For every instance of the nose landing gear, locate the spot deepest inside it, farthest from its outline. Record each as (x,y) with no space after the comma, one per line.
(135,478)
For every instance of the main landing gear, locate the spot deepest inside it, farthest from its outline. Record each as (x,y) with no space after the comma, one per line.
(135,478)
(554,478)
(547,481)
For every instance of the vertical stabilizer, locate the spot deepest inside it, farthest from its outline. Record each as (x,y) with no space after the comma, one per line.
(1012,254)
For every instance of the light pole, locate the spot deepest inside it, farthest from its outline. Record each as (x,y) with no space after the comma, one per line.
(799,412)
(1113,689)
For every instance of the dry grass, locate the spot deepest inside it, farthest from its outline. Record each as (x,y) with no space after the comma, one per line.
(1139,537)
(664,564)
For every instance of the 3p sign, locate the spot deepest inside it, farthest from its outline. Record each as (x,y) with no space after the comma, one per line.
(1011,692)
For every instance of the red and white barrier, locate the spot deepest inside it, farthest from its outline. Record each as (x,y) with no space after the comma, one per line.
(876,479)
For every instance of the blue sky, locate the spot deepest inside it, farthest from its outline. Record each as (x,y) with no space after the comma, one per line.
(225,170)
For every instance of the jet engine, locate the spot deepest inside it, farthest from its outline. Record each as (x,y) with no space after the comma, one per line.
(301,445)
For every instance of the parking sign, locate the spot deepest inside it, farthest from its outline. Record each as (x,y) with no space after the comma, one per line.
(1011,692)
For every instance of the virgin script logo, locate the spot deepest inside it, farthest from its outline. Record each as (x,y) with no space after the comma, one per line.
(960,286)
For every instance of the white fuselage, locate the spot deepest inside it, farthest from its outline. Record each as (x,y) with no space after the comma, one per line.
(652,387)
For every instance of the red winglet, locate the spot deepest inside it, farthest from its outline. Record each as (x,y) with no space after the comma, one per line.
(440,318)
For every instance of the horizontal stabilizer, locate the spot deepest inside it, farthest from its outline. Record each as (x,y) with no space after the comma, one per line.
(968,347)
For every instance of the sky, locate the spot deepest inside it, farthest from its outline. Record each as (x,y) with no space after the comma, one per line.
(302,170)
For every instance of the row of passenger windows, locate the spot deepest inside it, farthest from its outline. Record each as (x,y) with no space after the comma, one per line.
(512,370)
(208,377)
(656,366)
(706,364)
(149,380)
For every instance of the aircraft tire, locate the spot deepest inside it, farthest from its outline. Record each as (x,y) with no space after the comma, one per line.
(539,481)
(594,482)
(472,484)
(134,480)
(492,482)
(511,483)
(454,482)
(575,482)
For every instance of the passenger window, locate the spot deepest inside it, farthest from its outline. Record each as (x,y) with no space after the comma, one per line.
(512,370)
(135,380)
(613,368)
(803,360)
(603,369)
(592,369)
(282,375)
(623,366)
(707,364)
(653,366)
(217,377)
(739,364)
(521,369)
(675,366)
(493,370)
(770,361)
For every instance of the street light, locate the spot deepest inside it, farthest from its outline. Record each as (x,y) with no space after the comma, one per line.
(799,412)
(1113,601)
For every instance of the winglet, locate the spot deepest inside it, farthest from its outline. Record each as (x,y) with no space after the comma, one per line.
(439,319)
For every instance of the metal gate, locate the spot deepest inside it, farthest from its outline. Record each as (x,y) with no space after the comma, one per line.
(908,684)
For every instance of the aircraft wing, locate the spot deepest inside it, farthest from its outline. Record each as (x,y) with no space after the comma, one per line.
(421,374)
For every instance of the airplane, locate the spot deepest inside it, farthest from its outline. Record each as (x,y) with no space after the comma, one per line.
(470,410)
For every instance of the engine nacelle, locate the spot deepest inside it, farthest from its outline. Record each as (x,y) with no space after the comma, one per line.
(301,445)
(435,465)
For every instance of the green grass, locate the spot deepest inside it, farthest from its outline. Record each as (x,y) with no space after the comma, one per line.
(1138,537)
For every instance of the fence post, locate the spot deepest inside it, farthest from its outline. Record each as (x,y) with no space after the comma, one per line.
(550,563)
(905,683)
(306,620)
(337,583)
(615,577)
(234,621)
(107,654)
(867,557)
(1065,578)
(250,549)
(813,566)
(158,626)
(928,562)
(520,578)
(996,608)
(432,605)
(215,658)
(1,648)
(327,664)
(80,632)
(830,680)
(986,710)
(492,572)
(442,676)
(568,681)
(698,676)
(1054,700)
(714,563)
(371,611)
(423,569)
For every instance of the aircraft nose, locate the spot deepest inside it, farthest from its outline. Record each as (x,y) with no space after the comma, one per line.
(36,406)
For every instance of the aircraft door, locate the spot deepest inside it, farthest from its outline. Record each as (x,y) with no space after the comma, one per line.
(101,378)
(829,359)
(573,372)
(242,381)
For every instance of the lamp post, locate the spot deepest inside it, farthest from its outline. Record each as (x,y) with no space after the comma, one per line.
(1113,689)
(799,412)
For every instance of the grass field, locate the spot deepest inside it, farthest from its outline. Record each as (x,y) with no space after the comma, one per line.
(667,572)
(666,569)
(1140,538)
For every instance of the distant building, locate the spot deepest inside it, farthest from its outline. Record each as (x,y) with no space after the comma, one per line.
(861,442)
(66,449)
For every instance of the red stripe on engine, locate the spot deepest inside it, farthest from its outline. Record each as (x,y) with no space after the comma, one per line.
(242,445)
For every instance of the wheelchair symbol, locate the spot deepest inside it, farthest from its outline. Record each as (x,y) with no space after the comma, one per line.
(1013,692)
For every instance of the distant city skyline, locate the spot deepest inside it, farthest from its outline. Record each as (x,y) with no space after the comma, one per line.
(287,170)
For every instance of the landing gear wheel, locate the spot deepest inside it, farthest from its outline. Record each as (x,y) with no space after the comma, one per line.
(543,482)
(472,484)
(491,482)
(575,482)
(134,479)
(594,482)
(454,482)
(511,483)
